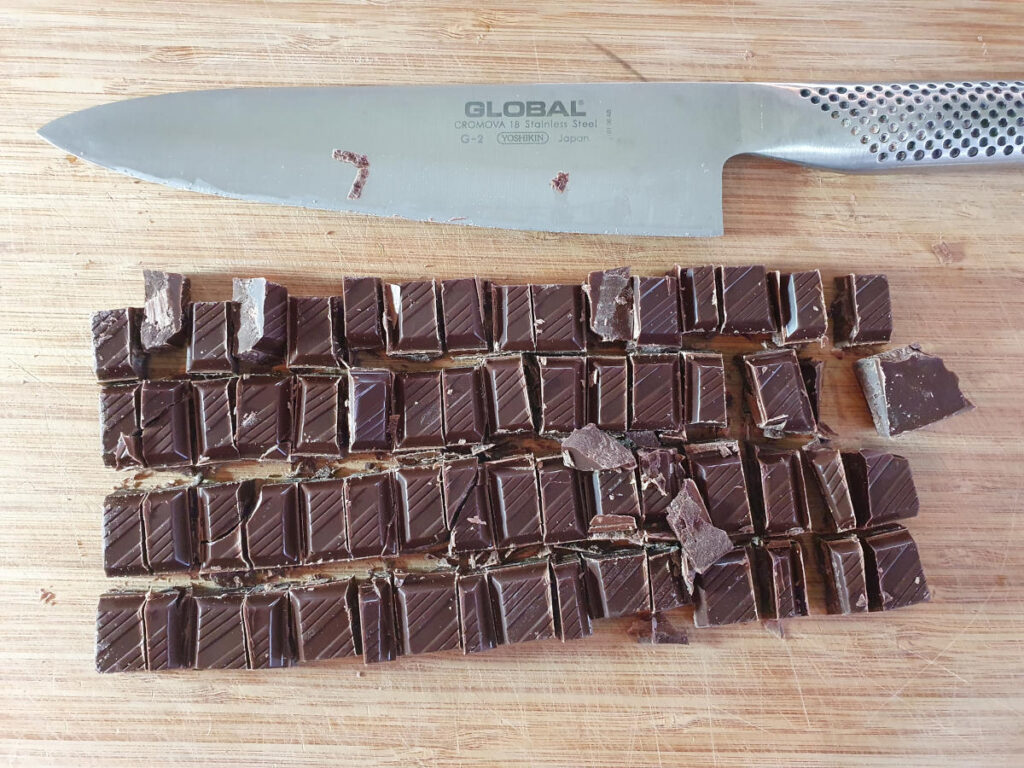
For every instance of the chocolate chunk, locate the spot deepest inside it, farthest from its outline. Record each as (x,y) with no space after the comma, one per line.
(522,602)
(371,511)
(780,578)
(842,566)
(428,616)
(168,619)
(323,520)
(861,312)
(377,620)
(222,512)
(219,633)
(272,529)
(704,379)
(465,414)
(421,508)
(507,395)
(476,621)
(615,493)
(718,471)
(657,393)
(725,592)
(562,392)
(467,513)
(170,537)
(261,337)
(745,301)
(166,420)
(313,332)
(617,583)
(611,526)
(813,372)
(322,621)
(117,350)
(514,501)
(119,415)
(213,408)
(562,502)
(608,392)
(881,486)
(120,646)
(362,309)
(464,315)
(317,421)
(165,321)
(699,296)
(656,629)
(418,402)
(702,542)
(369,409)
(777,394)
(588,449)
(893,567)
(778,484)
(573,614)
(826,466)
(800,300)
(265,618)
(662,471)
(123,551)
(412,328)
(611,304)
(657,312)
(512,315)
(558,318)
(907,389)
(263,417)
(210,344)
(667,588)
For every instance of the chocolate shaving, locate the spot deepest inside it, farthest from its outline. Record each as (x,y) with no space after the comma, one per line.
(362,164)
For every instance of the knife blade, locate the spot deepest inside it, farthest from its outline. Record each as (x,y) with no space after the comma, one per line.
(611,158)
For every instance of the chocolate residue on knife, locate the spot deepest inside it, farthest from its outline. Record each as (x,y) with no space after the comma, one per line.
(560,182)
(362,164)
(702,543)
(589,448)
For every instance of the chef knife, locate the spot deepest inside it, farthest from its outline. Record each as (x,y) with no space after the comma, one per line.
(617,158)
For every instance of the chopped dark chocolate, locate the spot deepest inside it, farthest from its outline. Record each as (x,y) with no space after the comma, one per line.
(467,513)
(119,420)
(842,566)
(170,538)
(780,578)
(608,392)
(826,466)
(123,542)
(894,574)
(261,338)
(615,493)
(704,380)
(465,412)
(210,343)
(165,418)
(777,394)
(668,590)
(476,620)
(272,529)
(213,409)
(907,389)
(745,301)
(421,508)
(117,351)
(656,393)
(881,486)
(514,501)
(512,315)
(377,620)
(800,300)
(463,311)
(371,515)
(120,645)
(263,417)
(507,395)
(412,328)
(589,448)
(418,403)
(562,502)
(718,470)
(222,510)
(165,321)
(522,602)
(168,619)
(562,392)
(657,312)
(322,620)
(428,616)
(778,484)
(362,309)
(265,616)
(573,606)
(323,520)
(702,542)
(725,592)
(662,471)
(611,304)
(617,583)
(219,632)
(861,311)
(316,419)
(558,318)
(699,295)
(314,332)
(369,409)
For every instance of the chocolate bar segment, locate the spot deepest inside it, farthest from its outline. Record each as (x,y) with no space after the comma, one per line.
(699,300)
(704,380)
(266,622)
(562,393)
(615,493)
(313,333)
(826,465)
(119,419)
(725,592)
(467,513)
(781,581)
(573,606)
(219,632)
(813,372)
(800,301)
(463,310)
(657,312)
(777,394)
(272,529)
(662,471)
(222,510)
(881,486)
(895,576)
(617,583)
(778,485)
(667,588)
(861,311)
(170,537)
(418,402)
(120,644)
(213,404)
(210,343)
(261,338)
(117,350)
(608,389)
(369,409)
(377,620)
(428,616)
(718,470)
(263,417)
(507,395)
(421,508)
(657,393)
(514,501)
(317,421)
(322,621)
(168,618)
(412,328)
(522,602)
(476,621)
(610,294)
(166,420)
(558,318)
(123,550)
(562,501)
(842,566)
(512,315)
(165,313)
(323,520)
(362,313)
(463,407)
(745,301)
(371,515)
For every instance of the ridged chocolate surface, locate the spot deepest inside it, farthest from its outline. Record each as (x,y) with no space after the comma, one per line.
(168,619)
(369,409)
(362,309)
(667,588)
(745,301)
(802,307)
(514,502)
(827,467)
(781,490)
(476,619)
(522,602)
(896,566)
(117,351)
(167,520)
(267,634)
(118,415)
(508,398)
(656,393)
(371,515)
(418,402)
(573,610)
(219,633)
(222,510)
(122,535)
(165,313)
(558,318)
(615,493)
(317,425)
(462,310)
(412,318)
(617,584)
(512,316)
(882,487)
(261,337)
(607,392)
(322,621)
(661,473)
(209,348)
(704,380)
(862,311)
(421,508)
(699,293)
(465,413)
(120,646)
(563,507)
(323,514)
(611,304)
(377,620)
(313,332)
(780,578)
(843,566)
(562,392)
(778,394)
(165,417)
(657,312)
(213,412)
(428,616)
(263,417)
(725,592)
(718,471)
(467,511)
(272,530)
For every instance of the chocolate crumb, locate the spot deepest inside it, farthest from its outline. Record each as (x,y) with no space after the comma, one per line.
(362,164)
(560,182)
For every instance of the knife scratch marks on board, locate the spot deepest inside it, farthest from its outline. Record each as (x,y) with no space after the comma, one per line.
(618,59)
(362,164)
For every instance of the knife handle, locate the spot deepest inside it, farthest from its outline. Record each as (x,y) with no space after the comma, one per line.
(887,127)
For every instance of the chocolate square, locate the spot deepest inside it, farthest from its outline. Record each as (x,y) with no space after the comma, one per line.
(661,473)
(512,316)
(615,493)
(563,394)
(119,423)
(169,621)
(377,620)
(222,510)
(123,550)
(476,620)
(881,487)
(725,592)
(657,312)
(117,351)
(467,512)
(263,422)
(464,314)
(514,501)
(842,567)
(412,328)
(272,529)
(212,338)
(800,301)
(165,417)
(219,632)
(362,311)
(323,520)
(318,425)
(465,413)
(213,408)
(717,469)
(428,616)
(668,590)
(777,481)
(323,621)
(314,332)
(558,318)
(826,466)
(704,383)
(745,301)
(562,501)
(267,637)
(369,409)
(522,602)
(120,645)
(418,402)
(607,395)
(777,394)
(507,396)
(170,536)
(573,608)
(421,508)
(261,336)
(657,393)
(618,583)
(780,579)
(610,296)
(165,313)
(699,299)
(861,311)
(893,566)
(371,515)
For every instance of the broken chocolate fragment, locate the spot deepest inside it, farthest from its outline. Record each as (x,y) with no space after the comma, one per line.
(421,508)
(117,350)
(522,602)
(170,538)
(323,520)
(558,318)
(745,301)
(261,337)
(702,542)
(165,321)
(213,403)
(893,567)
(573,609)
(608,392)
(267,640)
(322,619)
(418,404)
(562,502)
(463,405)
(512,315)
(800,301)
(377,620)
(661,474)
(562,393)
(222,512)
(617,583)
(842,566)
(210,345)
(272,528)
(777,394)
(611,304)
(611,526)
(725,592)
(165,418)
(369,409)
(704,379)
(476,620)
(656,392)
(881,486)
(717,469)
(463,312)
(699,294)
(780,578)
(314,332)
(428,616)
(371,515)
(120,643)
(514,501)
(778,484)
(861,312)
(668,589)
(412,329)
(362,310)
(219,632)
(263,417)
(589,448)
(507,395)
(317,421)
(826,466)
(119,415)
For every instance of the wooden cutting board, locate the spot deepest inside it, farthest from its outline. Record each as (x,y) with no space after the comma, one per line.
(938,684)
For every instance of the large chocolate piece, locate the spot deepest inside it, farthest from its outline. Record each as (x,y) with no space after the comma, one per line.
(608,390)
(170,539)
(272,529)
(826,466)
(704,380)
(657,312)
(617,583)
(667,588)
(745,301)
(265,616)
(165,418)
(165,320)
(718,469)
(412,328)
(514,501)
(377,620)
(369,409)
(418,402)
(907,389)
(558,318)
(522,602)
(362,309)
(465,413)
(316,421)
(781,581)
(562,392)
(168,617)
(261,337)
(323,520)
(421,508)
(213,409)
(657,393)
(467,513)
(777,481)
(219,632)
(662,471)
(800,301)
(881,486)
(842,566)
(313,332)
(725,592)
(120,645)
(371,515)
(702,542)
(507,395)
(263,417)
(464,315)
(893,567)
(562,502)
(123,550)
(611,304)
(322,619)
(589,448)
(777,394)
(573,606)
(210,344)
(512,315)
(476,619)
(615,493)
(119,422)
(428,616)
(117,351)
(222,510)
(861,311)
(699,295)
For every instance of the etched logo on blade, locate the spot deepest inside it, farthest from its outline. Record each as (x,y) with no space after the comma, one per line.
(523,137)
(525,109)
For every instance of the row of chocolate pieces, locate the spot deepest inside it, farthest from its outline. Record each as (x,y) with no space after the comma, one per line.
(264,327)
(464,506)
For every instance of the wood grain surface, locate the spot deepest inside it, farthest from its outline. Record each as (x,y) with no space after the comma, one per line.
(934,685)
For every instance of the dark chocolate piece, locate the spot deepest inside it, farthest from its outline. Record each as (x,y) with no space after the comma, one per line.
(421,508)
(781,582)
(428,616)
(464,315)
(313,332)
(467,513)
(362,309)
(170,537)
(465,413)
(881,486)
(263,417)
(725,592)
(826,465)
(418,403)
(800,301)
(120,645)
(322,621)
(412,328)
(377,620)
(573,614)
(699,295)
(907,389)
(611,526)
(558,318)
(165,321)
(514,501)
(522,602)
(562,502)
(842,565)
(168,617)
(261,337)
(562,392)
(210,344)
(476,620)
(702,542)
(656,393)
(656,629)
(222,510)
(507,395)
(861,311)
(718,470)
(611,304)
(219,632)
(266,621)
(607,397)
(165,418)
(778,483)
(369,409)
(617,583)
(117,351)
(667,588)
(777,394)
(745,301)
(323,520)
(662,471)
(512,315)
(119,416)
(213,409)
(123,550)
(371,515)
(894,574)
(615,493)
(588,449)
(657,312)
(272,529)
(317,422)
(813,372)
(704,380)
